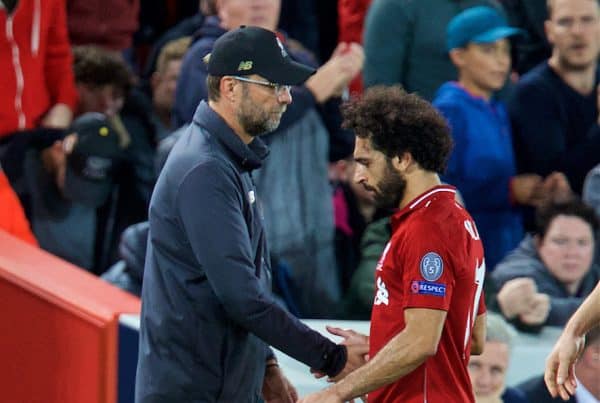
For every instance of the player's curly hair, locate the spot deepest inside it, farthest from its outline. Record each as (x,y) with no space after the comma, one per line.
(397,122)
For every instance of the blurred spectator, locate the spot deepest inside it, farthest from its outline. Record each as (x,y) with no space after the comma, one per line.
(546,278)
(164,79)
(104,83)
(186,27)
(354,208)
(488,370)
(128,272)
(482,163)
(73,222)
(358,300)
(12,216)
(587,373)
(405,43)
(69,182)
(554,108)
(326,13)
(533,48)
(35,58)
(293,181)
(351,21)
(299,19)
(106,23)
(591,189)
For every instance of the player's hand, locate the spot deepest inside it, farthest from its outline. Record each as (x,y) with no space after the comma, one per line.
(277,388)
(560,365)
(538,310)
(516,295)
(350,336)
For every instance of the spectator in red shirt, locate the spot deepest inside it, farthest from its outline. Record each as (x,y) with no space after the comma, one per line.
(37,83)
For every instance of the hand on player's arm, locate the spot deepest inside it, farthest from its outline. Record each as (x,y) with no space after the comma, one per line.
(405,352)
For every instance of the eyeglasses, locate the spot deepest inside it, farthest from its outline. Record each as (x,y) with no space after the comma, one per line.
(279,89)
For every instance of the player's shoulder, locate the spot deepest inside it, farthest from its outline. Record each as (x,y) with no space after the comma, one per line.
(439,215)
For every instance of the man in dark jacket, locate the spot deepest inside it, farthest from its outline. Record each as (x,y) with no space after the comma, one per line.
(293,181)
(208,316)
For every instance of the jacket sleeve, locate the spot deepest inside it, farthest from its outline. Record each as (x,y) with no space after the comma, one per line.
(388,31)
(496,190)
(59,61)
(540,137)
(212,214)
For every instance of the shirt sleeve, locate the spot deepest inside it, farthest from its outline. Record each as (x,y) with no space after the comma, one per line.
(428,274)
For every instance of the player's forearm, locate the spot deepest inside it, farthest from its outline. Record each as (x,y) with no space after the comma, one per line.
(400,356)
(587,316)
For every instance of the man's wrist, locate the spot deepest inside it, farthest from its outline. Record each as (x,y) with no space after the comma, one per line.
(338,390)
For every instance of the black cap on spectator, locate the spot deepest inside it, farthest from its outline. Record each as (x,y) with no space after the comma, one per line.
(254,50)
(93,161)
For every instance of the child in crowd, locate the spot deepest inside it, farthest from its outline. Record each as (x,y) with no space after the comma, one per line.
(482,164)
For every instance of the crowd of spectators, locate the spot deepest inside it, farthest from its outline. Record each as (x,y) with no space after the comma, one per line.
(97,93)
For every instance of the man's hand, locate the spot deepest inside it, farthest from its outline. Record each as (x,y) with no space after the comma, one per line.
(276,387)
(356,359)
(516,295)
(356,343)
(58,117)
(560,366)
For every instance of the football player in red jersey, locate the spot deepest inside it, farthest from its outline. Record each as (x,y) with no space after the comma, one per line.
(428,312)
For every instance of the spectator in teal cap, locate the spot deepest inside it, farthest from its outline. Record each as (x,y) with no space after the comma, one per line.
(482,164)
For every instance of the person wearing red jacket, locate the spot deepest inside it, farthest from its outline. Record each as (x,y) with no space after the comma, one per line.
(351,21)
(37,83)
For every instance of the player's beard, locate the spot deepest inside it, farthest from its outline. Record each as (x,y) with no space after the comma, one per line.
(255,119)
(390,189)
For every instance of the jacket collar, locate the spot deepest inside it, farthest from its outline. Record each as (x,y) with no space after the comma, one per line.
(248,156)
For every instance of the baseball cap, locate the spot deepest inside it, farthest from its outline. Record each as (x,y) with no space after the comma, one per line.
(254,50)
(93,161)
(479,24)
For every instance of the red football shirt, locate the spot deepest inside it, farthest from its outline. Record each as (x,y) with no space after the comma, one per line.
(434,260)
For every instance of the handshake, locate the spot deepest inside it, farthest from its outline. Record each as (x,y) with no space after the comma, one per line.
(357,346)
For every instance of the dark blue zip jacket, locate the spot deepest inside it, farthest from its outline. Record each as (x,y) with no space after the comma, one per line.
(481,166)
(207,311)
